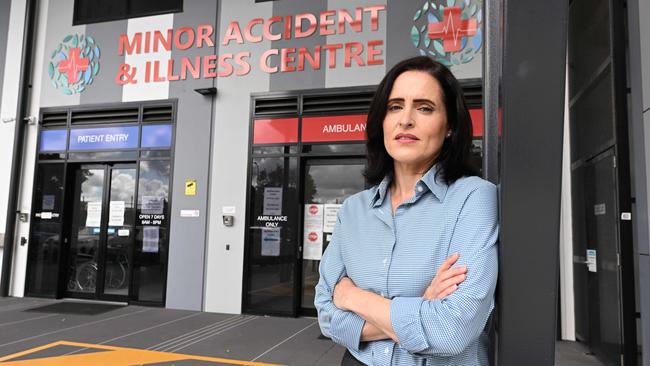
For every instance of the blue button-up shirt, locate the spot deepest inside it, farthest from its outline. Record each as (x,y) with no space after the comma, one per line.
(397,256)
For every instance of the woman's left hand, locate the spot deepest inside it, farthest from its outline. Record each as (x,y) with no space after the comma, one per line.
(342,292)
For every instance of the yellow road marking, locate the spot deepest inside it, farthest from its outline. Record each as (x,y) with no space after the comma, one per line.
(113,356)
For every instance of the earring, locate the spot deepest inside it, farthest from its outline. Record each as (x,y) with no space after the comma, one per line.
(449,134)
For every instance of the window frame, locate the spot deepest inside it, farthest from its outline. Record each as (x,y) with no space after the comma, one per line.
(77,21)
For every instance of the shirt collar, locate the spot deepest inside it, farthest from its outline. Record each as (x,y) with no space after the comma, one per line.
(429,181)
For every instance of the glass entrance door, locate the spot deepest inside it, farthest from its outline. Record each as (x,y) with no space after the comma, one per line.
(101,232)
(327,183)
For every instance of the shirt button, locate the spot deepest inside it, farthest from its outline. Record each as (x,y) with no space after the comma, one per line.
(386,350)
(385,261)
(420,189)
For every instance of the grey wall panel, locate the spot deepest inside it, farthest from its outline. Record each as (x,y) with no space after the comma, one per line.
(644,273)
(59,25)
(5,7)
(357,75)
(531,180)
(399,44)
(104,89)
(309,78)
(191,161)
(644,32)
(229,166)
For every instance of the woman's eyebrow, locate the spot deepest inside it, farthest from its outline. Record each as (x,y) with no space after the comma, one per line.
(421,100)
(424,100)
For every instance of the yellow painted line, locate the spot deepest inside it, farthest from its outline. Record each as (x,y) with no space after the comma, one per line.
(114,356)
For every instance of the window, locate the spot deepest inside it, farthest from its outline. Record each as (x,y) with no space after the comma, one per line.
(94,11)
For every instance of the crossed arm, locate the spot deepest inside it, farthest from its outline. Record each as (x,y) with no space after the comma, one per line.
(375,309)
(446,318)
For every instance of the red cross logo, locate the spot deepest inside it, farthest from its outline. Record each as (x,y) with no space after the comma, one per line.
(452,29)
(73,65)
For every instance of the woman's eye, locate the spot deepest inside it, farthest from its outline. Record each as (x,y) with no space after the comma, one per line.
(394,107)
(425,109)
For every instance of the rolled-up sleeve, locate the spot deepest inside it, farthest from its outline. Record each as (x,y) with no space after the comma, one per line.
(344,327)
(446,327)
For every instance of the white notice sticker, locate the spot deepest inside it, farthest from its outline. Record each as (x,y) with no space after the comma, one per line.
(329,220)
(272,201)
(313,232)
(152,205)
(116,213)
(228,210)
(94,214)
(150,237)
(271,242)
(591,260)
(123,232)
(189,213)
(46,215)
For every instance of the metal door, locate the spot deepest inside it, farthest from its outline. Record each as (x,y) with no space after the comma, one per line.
(604,299)
(326,184)
(601,266)
(101,232)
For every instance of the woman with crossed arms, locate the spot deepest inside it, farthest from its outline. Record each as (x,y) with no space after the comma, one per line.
(409,275)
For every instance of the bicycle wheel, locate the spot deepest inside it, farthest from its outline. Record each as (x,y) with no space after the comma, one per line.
(87,277)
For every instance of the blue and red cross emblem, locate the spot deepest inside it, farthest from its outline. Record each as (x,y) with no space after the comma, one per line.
(73,65)
(452,29)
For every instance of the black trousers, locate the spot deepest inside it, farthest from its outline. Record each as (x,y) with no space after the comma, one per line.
(349,360)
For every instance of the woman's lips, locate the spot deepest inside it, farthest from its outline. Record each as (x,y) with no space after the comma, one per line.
(406,138)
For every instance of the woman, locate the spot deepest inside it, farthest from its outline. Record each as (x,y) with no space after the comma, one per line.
(387,288)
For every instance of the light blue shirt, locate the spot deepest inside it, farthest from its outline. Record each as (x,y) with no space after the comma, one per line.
(398,256)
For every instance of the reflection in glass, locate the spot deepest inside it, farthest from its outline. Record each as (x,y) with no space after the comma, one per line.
(51,156)
(272,234)
(326,184)
(45,244)
(104,155)
(82,271)
(357,149)
(155,153)
(119,233)
(152,225)
(476,155)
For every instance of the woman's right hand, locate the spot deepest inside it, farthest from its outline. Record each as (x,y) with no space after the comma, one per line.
(446,280)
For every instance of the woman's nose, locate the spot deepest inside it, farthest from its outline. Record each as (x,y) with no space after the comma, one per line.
(406,119)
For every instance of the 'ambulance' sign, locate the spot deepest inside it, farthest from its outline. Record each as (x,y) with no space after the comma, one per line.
(334,128)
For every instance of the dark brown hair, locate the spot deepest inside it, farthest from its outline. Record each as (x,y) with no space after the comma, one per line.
(455,153)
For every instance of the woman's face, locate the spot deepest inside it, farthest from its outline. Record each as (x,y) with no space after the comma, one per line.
(415,125)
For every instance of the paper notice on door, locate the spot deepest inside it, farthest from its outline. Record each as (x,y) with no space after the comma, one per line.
(48,202)
(116,213)
(329,220)
(312,245)
(272,201)
(314,216)
(150,237)
(591,260)
(313,232)
(271,242)
(152,205)
(93,214)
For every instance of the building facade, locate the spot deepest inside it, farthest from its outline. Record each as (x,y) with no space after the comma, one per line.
(193,154)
